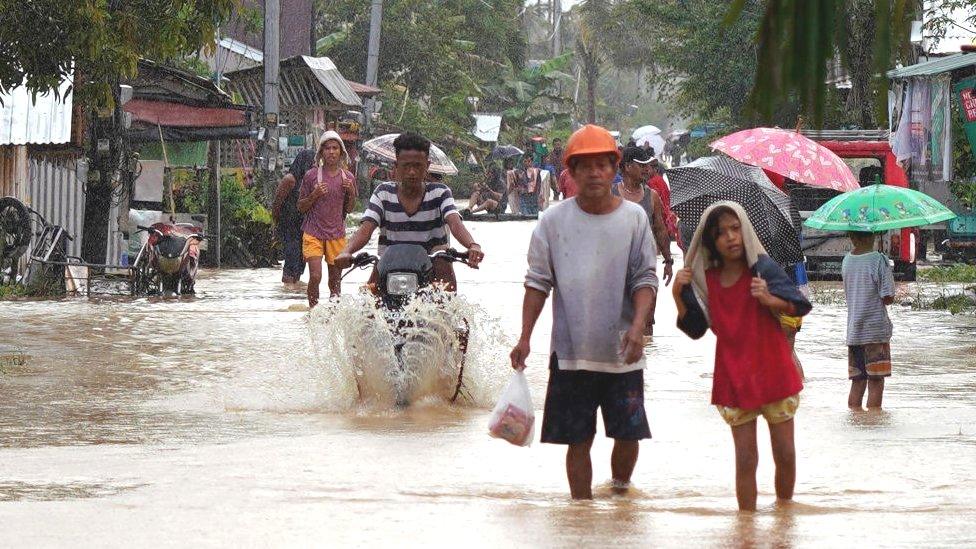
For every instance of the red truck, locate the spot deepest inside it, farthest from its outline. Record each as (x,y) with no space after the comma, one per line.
(869,156)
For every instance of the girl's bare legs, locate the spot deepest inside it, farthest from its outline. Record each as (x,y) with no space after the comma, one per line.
(784,456)
(746,462)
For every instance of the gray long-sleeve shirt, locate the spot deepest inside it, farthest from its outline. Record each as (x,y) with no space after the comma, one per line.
(594,264)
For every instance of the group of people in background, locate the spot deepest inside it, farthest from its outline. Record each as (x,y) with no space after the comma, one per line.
(315,197)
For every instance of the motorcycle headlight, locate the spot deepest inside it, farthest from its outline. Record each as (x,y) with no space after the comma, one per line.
(401,284)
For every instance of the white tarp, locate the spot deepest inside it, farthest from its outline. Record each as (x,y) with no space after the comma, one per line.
(487,127)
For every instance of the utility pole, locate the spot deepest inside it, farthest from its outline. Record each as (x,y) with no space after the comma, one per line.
(373,56)
(272,43)
(213,194)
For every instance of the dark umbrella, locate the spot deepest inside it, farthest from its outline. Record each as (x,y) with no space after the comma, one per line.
(502,152)
(711,179)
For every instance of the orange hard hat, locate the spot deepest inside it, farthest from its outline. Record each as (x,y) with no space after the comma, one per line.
(590,139)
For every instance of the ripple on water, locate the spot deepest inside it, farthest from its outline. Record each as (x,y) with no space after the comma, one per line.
(57,491)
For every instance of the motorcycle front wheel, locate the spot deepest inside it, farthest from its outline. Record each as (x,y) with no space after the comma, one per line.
(170,284)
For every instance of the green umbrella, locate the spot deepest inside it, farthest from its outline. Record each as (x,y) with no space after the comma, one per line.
(878,208)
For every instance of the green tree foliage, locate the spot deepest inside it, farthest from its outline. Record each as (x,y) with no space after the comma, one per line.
(531,97)
(42,41)
(701,61)
(433,55)
(430,47)
(246,235)
(701,65)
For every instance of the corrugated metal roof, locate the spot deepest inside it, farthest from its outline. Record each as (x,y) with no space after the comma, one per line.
(242,49)
(935,66)
(330,77)
(24,121)
(363,90)
(303,81)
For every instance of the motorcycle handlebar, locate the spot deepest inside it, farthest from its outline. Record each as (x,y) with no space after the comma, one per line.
(452,255)
(364,259)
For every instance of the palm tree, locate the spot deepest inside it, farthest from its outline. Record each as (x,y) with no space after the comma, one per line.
(593,46)
(531,96)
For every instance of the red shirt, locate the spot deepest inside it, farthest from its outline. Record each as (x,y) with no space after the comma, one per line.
(658,184)
(567,185)
(753,362)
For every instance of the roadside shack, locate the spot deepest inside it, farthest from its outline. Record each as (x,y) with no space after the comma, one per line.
(933,136)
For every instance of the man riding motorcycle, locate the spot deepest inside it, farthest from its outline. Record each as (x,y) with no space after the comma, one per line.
(413,210)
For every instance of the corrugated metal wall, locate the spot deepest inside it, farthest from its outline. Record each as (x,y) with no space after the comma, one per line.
(55,192)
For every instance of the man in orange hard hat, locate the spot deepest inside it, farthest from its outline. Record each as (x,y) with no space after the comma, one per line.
(601,250)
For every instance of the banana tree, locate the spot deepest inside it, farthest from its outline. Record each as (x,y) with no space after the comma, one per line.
(532,96)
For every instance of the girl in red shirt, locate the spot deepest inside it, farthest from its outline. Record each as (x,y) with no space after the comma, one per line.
(739,292)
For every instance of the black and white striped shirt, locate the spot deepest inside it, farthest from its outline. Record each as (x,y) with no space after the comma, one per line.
(427,227)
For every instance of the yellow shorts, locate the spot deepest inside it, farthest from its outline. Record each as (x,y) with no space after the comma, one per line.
(774,412)
(791,322)
(316,247)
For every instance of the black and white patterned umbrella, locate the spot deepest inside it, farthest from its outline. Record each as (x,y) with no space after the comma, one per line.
(698,185)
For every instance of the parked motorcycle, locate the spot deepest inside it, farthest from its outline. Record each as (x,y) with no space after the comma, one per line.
(403,273)
(171,257)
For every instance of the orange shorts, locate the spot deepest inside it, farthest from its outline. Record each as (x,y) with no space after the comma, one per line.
(316,247)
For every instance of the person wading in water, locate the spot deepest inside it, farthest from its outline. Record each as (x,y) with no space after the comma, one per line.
(602,292)
(288,219)
(327,194)
(635,167)
(413,210)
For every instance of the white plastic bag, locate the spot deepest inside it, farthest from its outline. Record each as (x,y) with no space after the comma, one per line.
(513,418)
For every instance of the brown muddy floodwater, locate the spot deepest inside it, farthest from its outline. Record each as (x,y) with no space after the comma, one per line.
(216,421)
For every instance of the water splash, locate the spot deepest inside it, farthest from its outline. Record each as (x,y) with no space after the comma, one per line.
(383,358)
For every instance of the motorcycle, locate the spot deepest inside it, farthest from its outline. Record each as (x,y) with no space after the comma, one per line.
(171,258)
(404,273)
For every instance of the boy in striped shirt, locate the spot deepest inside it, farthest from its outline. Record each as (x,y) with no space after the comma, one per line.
(413,210)
(869,287)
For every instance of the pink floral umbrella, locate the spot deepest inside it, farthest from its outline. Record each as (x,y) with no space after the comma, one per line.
(789,154)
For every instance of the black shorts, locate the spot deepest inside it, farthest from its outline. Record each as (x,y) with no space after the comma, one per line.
(574,395)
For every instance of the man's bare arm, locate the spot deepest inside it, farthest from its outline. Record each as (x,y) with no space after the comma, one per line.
(632,346)
(532,305)
(659,227)
(361,237)
(305,204)
(459,231)
(285,186)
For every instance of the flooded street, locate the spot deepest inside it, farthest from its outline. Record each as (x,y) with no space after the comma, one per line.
(211,421)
